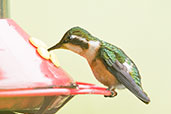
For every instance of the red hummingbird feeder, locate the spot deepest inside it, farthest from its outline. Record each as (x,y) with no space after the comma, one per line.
(30,82)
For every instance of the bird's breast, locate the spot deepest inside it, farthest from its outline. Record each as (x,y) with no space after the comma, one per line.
(102,74)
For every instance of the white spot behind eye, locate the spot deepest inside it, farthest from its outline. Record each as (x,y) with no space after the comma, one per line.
(73,36)
(78,37)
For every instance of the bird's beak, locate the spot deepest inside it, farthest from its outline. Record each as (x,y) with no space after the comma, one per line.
(57,46)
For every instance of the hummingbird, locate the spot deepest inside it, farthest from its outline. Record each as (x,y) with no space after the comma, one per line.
(109,64)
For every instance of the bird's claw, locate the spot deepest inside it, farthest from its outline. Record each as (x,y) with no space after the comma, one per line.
(113,93)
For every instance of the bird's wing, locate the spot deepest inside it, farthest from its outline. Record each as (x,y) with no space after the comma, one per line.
(117,69)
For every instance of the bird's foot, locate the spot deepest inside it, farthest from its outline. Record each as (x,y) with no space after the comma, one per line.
(113,93)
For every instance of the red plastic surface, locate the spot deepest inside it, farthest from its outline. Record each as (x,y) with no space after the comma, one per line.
(21,66)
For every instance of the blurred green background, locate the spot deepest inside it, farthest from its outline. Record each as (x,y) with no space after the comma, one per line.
(142,28)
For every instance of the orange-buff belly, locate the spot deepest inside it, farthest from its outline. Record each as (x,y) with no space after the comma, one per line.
(102,74)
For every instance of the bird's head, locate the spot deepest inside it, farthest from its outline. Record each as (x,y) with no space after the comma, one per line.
(76,39)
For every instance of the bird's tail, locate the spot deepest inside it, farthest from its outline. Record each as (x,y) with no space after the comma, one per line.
(143,97)
(125,79)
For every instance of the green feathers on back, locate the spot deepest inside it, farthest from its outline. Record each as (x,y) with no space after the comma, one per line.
(112,53)
(119,54)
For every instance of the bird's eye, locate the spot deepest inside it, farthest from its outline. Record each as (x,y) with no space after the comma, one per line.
(69,37)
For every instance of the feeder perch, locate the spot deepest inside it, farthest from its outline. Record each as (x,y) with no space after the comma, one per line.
(31,80)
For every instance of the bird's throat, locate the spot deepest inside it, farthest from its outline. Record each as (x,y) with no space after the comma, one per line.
(91,53)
